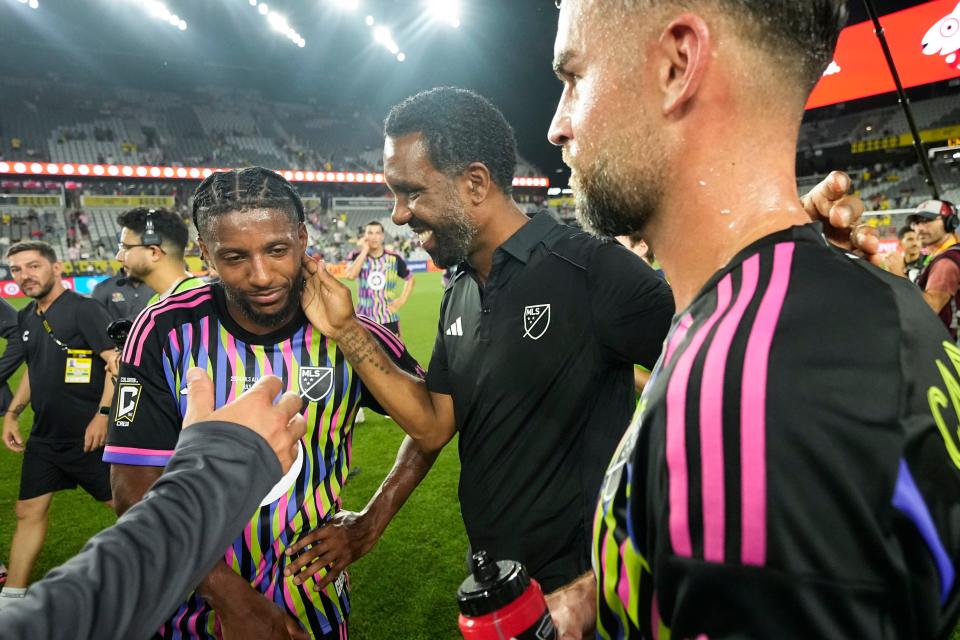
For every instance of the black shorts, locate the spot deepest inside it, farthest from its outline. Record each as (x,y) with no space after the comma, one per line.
(55,466)
(394,327)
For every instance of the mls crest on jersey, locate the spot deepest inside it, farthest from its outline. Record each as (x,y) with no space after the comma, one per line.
(316,382)
(536,321)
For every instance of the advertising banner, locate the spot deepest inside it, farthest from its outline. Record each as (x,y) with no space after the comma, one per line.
(126,201)
(924,41)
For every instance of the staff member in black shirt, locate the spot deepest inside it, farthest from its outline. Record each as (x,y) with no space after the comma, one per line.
(61,333)
(123,295)
(533,361)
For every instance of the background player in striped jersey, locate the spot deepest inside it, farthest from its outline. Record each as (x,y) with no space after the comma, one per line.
(777,480)
(250,324)
(379,272)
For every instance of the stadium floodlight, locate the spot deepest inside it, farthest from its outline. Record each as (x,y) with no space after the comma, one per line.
(370,21)
(401,56)
(253,3)
(381,35)
(349,5)
(446,11)
(278,22)
(33,4)
(160,11)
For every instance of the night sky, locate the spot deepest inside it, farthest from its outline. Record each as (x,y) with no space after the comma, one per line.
(503,49)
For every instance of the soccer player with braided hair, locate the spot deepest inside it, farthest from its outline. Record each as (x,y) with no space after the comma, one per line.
(248,325)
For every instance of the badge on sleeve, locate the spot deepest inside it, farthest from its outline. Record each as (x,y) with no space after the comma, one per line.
(79,366)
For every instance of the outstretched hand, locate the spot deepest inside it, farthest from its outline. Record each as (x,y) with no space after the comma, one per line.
(280,424)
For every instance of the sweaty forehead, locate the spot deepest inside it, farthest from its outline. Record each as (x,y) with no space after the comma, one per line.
(251,226)
(589,28)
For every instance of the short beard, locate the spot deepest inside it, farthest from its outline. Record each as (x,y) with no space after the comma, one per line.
(610,202)
(46,289)
(453,235)
(268,320)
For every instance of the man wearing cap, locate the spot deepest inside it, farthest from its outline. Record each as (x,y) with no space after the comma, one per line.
(935,222)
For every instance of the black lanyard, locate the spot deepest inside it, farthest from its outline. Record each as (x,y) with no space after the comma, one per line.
(49,330)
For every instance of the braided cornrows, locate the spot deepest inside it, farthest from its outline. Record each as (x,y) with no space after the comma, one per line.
(248,188)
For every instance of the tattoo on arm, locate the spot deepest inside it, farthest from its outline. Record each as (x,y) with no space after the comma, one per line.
(359,346)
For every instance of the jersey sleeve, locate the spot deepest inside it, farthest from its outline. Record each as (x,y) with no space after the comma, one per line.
(926,497)
(8,320)
(145,418)
(94,326)
(403,271)
(13,356)
(632,306)
(397,352)
(797,496)
(944,277)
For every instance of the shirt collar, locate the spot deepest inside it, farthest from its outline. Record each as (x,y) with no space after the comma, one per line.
(522,243)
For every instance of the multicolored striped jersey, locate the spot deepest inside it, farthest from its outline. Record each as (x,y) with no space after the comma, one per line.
(186,284)
(793,467)
(377,285)
(194,329)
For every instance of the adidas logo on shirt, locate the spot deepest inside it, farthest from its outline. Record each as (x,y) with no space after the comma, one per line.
(456,329)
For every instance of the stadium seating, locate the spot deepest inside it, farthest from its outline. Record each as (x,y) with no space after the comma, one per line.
(60,122)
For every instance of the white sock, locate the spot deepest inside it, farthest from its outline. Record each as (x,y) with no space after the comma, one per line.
(10,594)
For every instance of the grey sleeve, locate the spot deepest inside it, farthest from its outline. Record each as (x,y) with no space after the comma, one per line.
(13,356)
(129,578)
(8,320)
(101,292)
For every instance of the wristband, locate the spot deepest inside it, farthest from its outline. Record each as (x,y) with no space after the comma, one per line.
(104,411)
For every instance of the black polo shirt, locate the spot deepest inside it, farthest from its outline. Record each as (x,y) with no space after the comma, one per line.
(539,362)
(124,300)
(62,410)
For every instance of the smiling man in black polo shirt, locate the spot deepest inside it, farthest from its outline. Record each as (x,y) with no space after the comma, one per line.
(538,335)
(533,361)
(63,337)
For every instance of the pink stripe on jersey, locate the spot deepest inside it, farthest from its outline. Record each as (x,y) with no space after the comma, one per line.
(711,417)
(136,347)
(385,335)
(655,617)
(623,585)
(753,408)
(230,348)
(146,314)
(678,335)
(677,426)
(140,452)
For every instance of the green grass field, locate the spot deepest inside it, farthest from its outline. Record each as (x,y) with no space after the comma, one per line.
(405,587)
